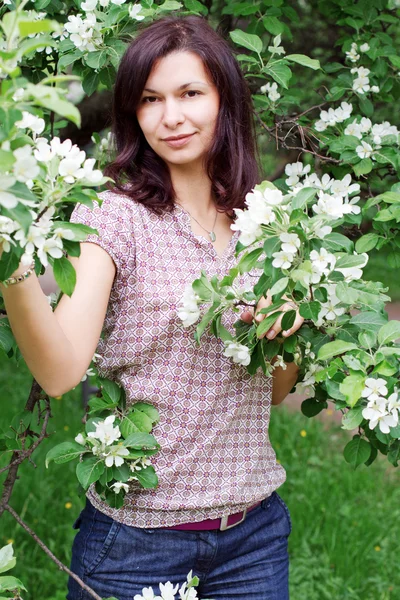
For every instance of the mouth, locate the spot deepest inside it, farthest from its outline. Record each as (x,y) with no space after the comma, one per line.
(178,141)
(174,138)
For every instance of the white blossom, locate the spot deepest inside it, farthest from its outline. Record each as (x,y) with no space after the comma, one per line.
(25,166)
(89,5)
(375,89)
(7,198)
(114,455)
(355,129)
(344,187)
(353,53)
(105,431)
(294,171)
(189,311)
(240,354)
(52,247)
(365,124)
(71,165)
(168,590)
(343,112)
(80,439)
(364,47)
(32,122)
(329,310)
(374,388)
(249,229)
(272,90)
(118,486)
(147,594)
(361,71)
(134,12)
(282,260)
(290,242)
(364,150)
(87,172)
(361,85)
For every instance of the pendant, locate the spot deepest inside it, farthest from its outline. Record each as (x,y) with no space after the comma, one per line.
(212,236)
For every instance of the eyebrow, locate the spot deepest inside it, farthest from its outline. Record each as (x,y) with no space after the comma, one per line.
(181,87)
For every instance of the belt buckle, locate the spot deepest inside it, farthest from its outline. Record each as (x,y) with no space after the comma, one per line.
(224,521)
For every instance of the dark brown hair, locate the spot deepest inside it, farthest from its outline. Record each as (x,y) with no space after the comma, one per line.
(231,161)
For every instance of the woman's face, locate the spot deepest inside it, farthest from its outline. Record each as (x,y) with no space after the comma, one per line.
(179,101)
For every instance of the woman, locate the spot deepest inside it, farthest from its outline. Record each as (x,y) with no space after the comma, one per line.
(182,121)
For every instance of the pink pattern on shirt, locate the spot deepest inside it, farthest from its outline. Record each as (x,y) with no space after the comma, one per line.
(215,458)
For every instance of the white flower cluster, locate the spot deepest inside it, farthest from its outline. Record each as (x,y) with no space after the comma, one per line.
(330,117)
(333,194)
(380,409)
(168,591)
(189,311)
(240,354)
(307,385)
(272,90)
(84,33)
(375,134)
(260,212)
(102,442)
(361,83)
(289,248)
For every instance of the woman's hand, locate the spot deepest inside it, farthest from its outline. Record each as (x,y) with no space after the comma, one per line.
(248,315)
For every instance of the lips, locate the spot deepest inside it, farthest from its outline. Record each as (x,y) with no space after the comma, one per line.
(178,137)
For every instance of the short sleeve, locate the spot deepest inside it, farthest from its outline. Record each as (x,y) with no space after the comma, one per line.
(114,222)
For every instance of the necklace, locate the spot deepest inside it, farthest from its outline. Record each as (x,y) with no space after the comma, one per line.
(211,233)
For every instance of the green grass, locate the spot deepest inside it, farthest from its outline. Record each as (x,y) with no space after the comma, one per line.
(344,540)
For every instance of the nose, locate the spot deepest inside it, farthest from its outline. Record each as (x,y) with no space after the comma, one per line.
(173,114)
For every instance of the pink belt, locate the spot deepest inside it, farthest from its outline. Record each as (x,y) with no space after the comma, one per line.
(222,523)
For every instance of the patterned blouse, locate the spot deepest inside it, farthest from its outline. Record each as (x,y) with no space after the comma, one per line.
(215,457)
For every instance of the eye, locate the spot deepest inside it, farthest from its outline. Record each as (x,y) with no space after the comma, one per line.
(148,99)
(193,92)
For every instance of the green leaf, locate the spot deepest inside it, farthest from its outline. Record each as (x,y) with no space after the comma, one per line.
(271,245)
(394,453)
(141,420)
(312,407)
(64,452)
(39,26)
(346,262)
(110,390)
(149,410)
(288,319)
(304,60)
(267,323)
(65,275)
(336,242)
(302,198)
(310,310)
(280,72)
(357,451)
(280,286)
(273,25)
(89,470)
(334,349)
(97,59)
(247,40)
(369,320)
(195,6)
(364,167)
(9,583)
(100,404)
(389,332)
(248,261)
(352,387)
(367,242)
(147,477)
(141,440)
(7,339)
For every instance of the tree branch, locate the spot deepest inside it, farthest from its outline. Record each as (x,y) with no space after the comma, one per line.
(60,565)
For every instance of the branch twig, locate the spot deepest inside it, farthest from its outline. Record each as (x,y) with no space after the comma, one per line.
(60,565)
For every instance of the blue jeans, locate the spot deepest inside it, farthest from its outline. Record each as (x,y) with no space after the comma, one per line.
(248,562)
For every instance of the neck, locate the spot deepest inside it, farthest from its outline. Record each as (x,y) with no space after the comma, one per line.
(193,193)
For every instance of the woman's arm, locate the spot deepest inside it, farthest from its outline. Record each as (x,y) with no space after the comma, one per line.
(283,381)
